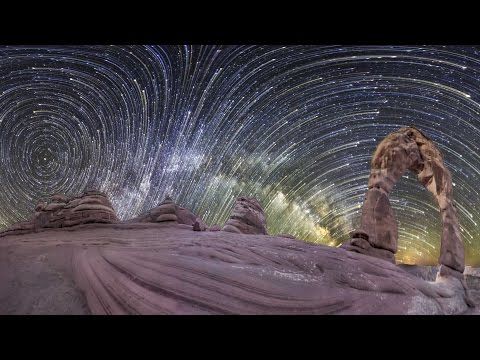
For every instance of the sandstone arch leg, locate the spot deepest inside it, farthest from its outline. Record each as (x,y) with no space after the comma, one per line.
(403,150)
(438,180)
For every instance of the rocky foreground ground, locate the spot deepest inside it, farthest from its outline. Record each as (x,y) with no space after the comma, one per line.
(166,268)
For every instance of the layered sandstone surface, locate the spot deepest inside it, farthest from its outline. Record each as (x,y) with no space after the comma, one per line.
(167,268)
(61,211)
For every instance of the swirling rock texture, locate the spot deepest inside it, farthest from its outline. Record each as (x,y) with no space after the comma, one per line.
(166,268)
(428,273)
(156,264)
(407,149)
(247,217)
(61,211)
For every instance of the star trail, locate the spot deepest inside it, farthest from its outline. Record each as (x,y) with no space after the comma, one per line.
(294,126)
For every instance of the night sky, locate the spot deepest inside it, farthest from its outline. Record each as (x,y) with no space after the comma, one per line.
(294,126)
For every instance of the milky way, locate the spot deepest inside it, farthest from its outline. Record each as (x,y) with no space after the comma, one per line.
(294,126)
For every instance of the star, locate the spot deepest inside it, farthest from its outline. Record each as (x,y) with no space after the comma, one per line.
(294,126)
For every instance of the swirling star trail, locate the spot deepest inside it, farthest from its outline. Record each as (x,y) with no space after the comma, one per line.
(294,126)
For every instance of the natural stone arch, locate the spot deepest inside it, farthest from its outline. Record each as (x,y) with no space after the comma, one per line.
(403,150)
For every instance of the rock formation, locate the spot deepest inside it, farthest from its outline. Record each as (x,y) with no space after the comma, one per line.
(407,149)
(215,228)
(148,268)
(428,273)
(168,211)
(90,207)
(196,226)
(469,270)
(61,211)
(22,227)
(247,217)
(287,236)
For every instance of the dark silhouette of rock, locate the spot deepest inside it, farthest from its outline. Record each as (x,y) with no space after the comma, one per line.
(247,217)
(407,149)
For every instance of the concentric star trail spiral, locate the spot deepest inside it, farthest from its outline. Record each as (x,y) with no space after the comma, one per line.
(294,126)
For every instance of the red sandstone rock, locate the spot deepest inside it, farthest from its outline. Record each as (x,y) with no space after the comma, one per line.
(378,220)
(247,217)
(18,228)
(169,211)
(407,149)
(60,198)
(166,211)
(185,216)
(198,225)
(90,207)
(167,217)
(166,268)
(61,211)
(362,246)
(286,236)
(215,228)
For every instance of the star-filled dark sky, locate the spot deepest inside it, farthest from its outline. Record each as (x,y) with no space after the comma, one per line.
(294,126)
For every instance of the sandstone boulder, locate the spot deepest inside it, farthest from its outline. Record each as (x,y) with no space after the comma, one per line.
(215,228)
(61,211)
(247,217)
(168,211)
(360,245)
(187,217)
(199,225)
